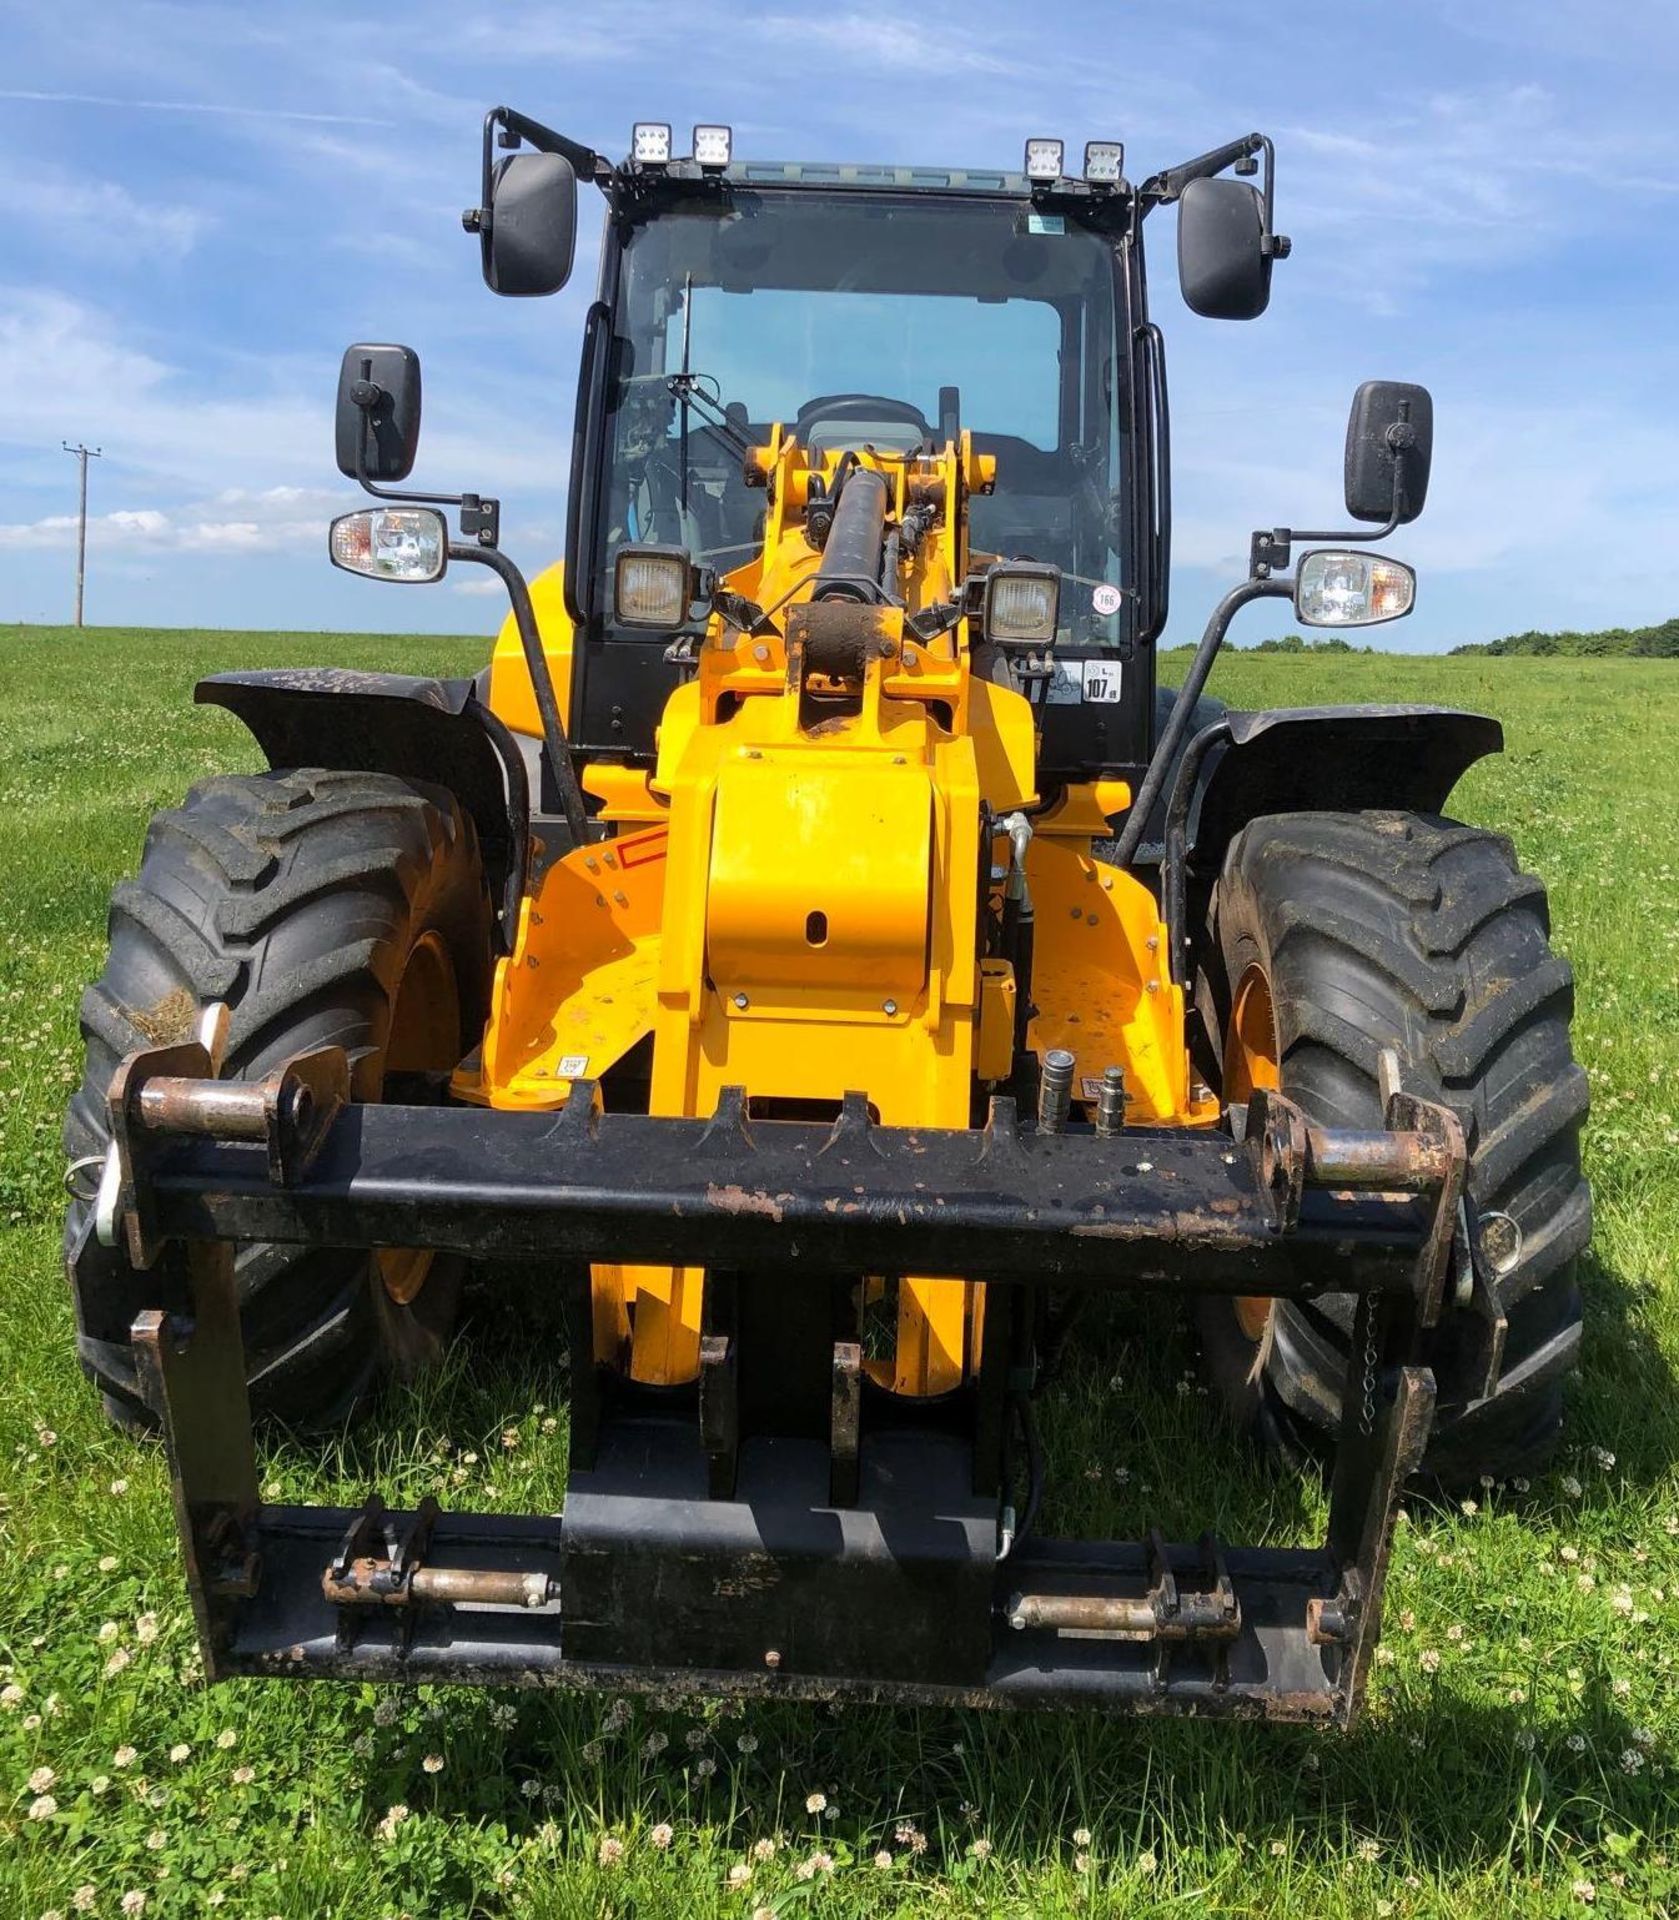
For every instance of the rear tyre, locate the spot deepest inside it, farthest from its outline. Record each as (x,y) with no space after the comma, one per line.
(1333,936)
(325,908)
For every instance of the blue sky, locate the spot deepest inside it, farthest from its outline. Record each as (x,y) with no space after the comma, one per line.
(208,202)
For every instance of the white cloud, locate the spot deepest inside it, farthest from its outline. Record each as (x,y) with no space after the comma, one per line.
(236,520)
(101,217)
(230,109)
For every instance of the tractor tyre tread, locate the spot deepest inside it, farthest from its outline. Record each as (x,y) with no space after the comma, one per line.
(1393,929)
(294,896)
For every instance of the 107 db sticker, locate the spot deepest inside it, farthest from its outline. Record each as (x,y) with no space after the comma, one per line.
(1073,682)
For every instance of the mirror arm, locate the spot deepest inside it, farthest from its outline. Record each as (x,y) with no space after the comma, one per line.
(1183,709)
(555,745)
(1269,547)
(480,518)
(506,127)
(1164,188)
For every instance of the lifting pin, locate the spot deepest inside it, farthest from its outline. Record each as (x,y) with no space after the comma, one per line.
(1055,1089)
(1110,1103)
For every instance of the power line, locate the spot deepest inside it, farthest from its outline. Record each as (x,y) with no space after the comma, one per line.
(83,455)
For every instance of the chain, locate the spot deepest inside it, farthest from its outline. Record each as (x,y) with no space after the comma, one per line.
(1367,1412)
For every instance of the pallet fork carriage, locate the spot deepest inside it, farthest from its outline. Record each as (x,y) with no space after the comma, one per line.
(810,961)
(862,1562)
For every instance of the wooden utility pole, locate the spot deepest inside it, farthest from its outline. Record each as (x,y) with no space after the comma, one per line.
(83,455)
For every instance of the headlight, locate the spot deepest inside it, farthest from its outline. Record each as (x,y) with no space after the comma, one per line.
(1334,589)
(1043,161)
(650,143)
(391,543)
(713,146)
(1022,603)
(1104,162)
(652,586)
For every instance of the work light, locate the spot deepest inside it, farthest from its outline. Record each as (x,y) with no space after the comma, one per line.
(1104,162)
(713,146)
(650,143)
(1043,160)
(1022,602)
(391,543)
(652,586)
(1338,589)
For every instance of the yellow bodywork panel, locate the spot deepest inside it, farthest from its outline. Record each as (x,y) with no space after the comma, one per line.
(791,900)
(819,880)
(512,697)
(1101,984)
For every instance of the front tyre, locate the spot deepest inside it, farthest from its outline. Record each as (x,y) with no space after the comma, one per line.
(326,909)
(1333,936)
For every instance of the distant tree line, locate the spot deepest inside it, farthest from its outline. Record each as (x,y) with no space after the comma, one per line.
(1631,643)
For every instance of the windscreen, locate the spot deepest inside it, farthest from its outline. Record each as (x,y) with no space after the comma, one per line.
(876,318)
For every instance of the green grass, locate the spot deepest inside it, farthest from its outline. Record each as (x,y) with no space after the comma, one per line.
(1523,1730)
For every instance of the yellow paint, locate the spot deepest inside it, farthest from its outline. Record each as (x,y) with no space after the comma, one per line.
(791,900)
(512,698)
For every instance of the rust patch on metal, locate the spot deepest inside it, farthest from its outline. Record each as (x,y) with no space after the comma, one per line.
(738,1200)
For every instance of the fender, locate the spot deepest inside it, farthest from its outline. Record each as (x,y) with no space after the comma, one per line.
(1308,759)
(433,731)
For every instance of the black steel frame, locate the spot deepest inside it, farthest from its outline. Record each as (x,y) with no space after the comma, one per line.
(808,1535)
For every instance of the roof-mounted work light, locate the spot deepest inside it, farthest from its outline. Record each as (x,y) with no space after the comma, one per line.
(650,143)
(1104,162)
(713,146)
(1043,161)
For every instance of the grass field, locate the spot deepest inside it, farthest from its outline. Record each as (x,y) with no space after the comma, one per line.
(1521,1750)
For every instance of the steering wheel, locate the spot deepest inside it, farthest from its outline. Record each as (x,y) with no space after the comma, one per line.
(858,406)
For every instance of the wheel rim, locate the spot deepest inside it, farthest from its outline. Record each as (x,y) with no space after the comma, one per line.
(1252,1060)
(424,1038)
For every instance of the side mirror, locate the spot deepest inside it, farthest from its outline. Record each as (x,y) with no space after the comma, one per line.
(1390,438)
(1223,266)
(528,233)
(378,417)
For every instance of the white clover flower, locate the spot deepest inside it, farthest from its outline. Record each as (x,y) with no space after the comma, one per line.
(180,1752)
(432,1763)
(815,1802)
(610,1851)
(42,1807)
(243,1776)
(41,1779)
(883,1860)
(124,1757)
(662,1835)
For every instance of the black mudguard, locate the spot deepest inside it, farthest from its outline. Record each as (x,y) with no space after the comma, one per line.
(436,731)
(1321,759)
